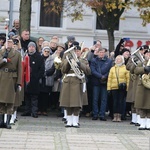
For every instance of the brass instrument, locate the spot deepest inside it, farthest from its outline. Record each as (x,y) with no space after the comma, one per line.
(146,77)
(136,55)
(84,53)
(72,59)
(57,62)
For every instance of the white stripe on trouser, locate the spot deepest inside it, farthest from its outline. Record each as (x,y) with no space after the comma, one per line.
(148,123)
(65,114)
(143,123)
(134,117)
(138,119)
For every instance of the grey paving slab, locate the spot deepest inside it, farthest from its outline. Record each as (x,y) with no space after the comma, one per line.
(49,133)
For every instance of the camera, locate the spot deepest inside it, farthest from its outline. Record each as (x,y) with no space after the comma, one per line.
(15,41)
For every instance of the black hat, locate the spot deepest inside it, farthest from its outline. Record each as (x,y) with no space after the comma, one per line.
(2,34)
(144,47)
(2,38)
(147,51)
(125,50)
(75,43)
(77,47)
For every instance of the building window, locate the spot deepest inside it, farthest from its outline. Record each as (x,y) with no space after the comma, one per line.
(101,23)
(49,19)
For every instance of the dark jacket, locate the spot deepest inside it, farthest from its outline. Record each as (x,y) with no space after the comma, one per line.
(100,69)
(36,72)
(117,50)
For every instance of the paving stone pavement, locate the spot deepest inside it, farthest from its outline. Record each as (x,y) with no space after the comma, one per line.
(49,133)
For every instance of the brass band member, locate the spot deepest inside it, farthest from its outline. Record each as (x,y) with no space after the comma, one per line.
(73,88)
(142,96)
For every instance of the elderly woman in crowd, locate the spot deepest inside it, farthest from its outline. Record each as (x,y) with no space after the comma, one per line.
(46,82)
(118,81)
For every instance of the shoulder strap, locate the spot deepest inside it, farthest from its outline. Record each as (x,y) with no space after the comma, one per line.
(116,75)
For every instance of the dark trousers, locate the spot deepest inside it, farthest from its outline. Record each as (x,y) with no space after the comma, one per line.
(110,104)
(43,102)
(54,100)
(31,103)
(118,101)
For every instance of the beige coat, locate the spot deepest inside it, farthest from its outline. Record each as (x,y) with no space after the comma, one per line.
(8,80)
(142,96)
(72,88)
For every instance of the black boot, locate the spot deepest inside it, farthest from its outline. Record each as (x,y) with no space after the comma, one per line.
(2,121)
(7,125)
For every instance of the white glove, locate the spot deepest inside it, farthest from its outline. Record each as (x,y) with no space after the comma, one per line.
(5,60)
(19,88)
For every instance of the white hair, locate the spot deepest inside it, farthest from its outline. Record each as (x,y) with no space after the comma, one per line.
(123,61)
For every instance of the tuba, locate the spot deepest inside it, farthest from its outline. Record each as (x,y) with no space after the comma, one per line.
(146,78)
(137,56)
(72,60)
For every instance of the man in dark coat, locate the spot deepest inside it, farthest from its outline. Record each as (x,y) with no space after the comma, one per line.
(25,39)
(32,89)
(10,81)
(100,67)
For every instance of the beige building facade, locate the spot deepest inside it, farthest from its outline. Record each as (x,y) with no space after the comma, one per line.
(42,25)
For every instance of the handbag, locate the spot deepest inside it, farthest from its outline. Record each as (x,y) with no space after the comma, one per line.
(121,86)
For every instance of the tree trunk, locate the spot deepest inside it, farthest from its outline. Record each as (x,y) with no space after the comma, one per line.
(111,40)
(25,15)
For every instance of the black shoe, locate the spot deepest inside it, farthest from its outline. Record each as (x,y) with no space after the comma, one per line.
(34,116)
(137,124)
(103,119)
(68,126)
(140,128)
(94,118)
(76,126)
(26,114)
(132,123)
(63,119)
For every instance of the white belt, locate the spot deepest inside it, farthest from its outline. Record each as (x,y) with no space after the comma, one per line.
(71,75)
(74,75)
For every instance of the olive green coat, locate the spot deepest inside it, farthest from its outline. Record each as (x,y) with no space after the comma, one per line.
(142,95)
(132,83)
(72,94)
(9,80)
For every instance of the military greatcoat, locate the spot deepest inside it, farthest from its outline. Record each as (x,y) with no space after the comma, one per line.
(132,83)
(10,76)
(72,94)
(142,95)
